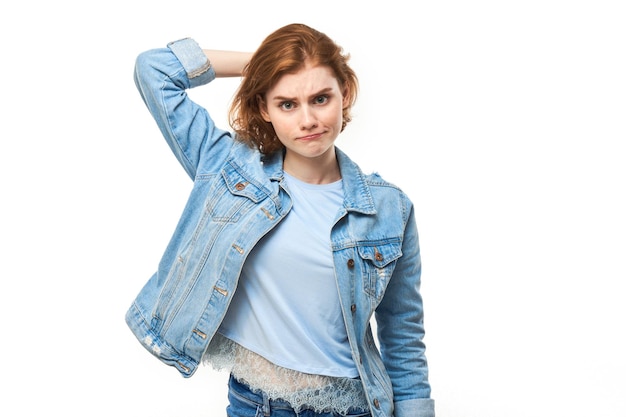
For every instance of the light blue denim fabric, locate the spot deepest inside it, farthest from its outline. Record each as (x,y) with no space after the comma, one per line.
(237,197)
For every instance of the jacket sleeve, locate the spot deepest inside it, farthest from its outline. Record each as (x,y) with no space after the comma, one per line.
(400,324)
(162,77)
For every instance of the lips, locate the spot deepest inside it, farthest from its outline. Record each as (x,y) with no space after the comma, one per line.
(310,137)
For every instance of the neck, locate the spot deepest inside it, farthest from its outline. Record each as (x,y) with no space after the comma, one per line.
(319,170)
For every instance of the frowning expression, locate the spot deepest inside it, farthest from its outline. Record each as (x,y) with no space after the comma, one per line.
(305,109)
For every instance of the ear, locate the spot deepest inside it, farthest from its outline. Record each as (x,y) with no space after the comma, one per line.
(345,101)
(263,109)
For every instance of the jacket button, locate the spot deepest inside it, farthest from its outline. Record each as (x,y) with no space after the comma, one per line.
(350,263)
(240,186)
(353,308)
(379,256)
(376,403)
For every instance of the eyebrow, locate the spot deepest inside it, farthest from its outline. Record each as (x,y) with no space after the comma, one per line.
(284,98)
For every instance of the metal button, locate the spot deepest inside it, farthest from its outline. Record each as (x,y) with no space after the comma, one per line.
(240,186)
(350,263)
(376,403)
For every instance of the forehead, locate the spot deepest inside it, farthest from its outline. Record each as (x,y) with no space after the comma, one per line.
(306,81)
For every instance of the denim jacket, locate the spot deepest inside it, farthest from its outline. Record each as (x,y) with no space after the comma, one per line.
(238,197)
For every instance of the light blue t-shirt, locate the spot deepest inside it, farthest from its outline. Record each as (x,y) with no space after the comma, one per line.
(286,307)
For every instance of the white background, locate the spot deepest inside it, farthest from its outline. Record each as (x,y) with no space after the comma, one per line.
(503,120)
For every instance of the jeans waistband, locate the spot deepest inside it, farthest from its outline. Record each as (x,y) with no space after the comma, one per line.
(259,398)
(263,403)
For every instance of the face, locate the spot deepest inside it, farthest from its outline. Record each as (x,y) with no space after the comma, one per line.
(305,110)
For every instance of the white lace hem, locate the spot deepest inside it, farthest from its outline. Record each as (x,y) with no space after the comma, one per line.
(303,391)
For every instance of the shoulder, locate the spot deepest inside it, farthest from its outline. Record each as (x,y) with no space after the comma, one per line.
(385,192)
(374,179)
(370,191)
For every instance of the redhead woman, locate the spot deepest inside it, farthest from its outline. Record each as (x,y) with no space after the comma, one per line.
(285,250)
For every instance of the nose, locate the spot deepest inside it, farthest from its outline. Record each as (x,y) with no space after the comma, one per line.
(309,119)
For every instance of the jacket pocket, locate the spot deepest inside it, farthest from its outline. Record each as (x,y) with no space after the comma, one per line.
(232,195)
(379,260)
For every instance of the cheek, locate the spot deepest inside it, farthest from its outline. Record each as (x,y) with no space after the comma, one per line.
(283,126)
(337,117)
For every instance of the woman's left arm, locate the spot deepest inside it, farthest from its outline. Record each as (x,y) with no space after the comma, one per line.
(400,326)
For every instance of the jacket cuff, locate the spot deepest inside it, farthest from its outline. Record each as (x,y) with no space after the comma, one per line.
(194,61)
(420,407)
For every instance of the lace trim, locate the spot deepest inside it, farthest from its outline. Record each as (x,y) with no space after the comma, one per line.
(303,391)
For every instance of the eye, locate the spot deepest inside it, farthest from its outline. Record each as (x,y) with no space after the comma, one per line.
(286,105)
(321,99)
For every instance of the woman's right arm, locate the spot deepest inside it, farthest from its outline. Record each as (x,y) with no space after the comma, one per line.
(162,77)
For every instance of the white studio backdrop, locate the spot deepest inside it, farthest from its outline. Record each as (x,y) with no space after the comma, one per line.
(503,121)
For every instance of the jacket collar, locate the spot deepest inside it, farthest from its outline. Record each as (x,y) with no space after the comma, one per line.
(356,191)
(357,194)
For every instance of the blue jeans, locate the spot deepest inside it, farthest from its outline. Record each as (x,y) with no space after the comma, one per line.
(245,403)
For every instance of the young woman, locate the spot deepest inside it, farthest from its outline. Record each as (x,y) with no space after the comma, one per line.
(285,249)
